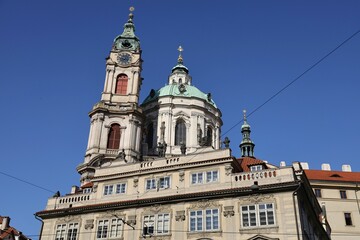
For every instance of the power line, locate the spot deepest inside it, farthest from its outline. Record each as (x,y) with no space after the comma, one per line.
(297,78)
(27,182)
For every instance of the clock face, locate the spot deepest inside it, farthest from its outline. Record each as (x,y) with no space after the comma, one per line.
(124,58)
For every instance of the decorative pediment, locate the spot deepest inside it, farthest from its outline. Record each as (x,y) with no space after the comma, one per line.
(181,114)
(261,237)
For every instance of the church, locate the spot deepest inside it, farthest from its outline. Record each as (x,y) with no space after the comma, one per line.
(158,169)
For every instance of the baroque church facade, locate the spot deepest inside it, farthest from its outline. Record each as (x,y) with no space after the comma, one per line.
(158,170)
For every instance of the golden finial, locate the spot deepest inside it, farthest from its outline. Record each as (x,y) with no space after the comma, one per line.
(180,59)
(131,15)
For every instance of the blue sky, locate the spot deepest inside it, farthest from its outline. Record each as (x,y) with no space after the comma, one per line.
(52,72)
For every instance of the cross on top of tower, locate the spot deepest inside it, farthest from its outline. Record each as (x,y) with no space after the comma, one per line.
(244,113)
(180,59)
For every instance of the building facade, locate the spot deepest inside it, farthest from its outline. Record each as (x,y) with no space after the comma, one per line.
(338,194)
(157,170)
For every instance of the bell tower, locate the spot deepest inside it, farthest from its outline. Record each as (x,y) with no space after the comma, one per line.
(115,130)
(246,145)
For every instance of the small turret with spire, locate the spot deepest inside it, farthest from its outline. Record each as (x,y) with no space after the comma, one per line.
(180,73)
(246,145)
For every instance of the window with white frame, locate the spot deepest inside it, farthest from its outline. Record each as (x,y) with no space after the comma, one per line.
(205,177)
(256,168)
(109,228)
(87,190)
(156,224)
(204,220)
(257,215)
(67,231)
(118,188)
(158,183)
(212,176)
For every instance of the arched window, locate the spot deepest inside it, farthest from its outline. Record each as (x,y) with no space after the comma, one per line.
(150,135)
(180,132)
(209,134)
(114,137)
(121,84)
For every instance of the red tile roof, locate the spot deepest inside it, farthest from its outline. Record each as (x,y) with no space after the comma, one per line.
(337,176)
(246,162)
(87,185)
(10,231)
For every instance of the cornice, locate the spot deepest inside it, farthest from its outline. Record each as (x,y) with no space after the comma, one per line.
(189,197)
(161,169)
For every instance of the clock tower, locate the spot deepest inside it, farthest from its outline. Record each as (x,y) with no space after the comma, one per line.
(115,131)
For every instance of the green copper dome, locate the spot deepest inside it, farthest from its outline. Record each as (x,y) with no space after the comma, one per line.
(177,90)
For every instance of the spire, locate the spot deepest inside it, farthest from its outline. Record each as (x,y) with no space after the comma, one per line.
(129,27)
(180,62)
(127,40)
(246,145)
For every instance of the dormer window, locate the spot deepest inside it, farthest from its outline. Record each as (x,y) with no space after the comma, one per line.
(256,168)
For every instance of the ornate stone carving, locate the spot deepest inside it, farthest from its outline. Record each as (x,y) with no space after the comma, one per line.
(180,216)
(204,204)
(228,169)
(69,218)
(229,211)
(136,182)
(89,224)
(181,175)
(256,198)
(132,220)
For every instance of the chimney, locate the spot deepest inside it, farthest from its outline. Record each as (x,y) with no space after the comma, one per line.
(74,189)
(5,223)
(282,164)
(346,168)
(325,167)
(305,165)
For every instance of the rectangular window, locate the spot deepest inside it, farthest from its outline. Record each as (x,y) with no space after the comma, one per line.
(211,223)
(164,182)
(66,232)
(102,229)
(108,189)
(118,188)
(258,215)
(151,184)
(197,178)
(343,194)
(156,224)
(116,227)
(318,192)
(204,177)
(348,220)
(160,183)
(60,232)
(87,190)
(256,168)
(212,176)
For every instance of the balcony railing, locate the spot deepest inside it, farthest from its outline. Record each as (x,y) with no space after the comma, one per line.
(75,198)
